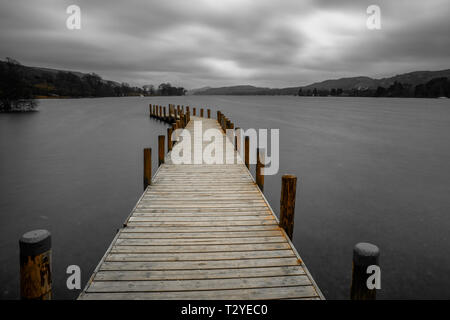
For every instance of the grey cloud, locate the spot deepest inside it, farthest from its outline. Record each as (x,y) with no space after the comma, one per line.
(197,43)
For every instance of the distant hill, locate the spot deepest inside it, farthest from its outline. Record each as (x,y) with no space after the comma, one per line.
(346,84)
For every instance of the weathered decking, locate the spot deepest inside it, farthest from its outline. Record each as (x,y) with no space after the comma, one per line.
(201,232)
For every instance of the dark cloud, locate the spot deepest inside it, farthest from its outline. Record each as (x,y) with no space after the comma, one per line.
(208,42)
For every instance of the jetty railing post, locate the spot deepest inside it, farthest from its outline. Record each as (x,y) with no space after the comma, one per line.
(36,265)
(259,168)
(201,112)
(287,204)
(364,255)
(164,116)
(209,113)
(147,167)
(247,151)
(187,109)
(161,149)
(193,111)
(169,139)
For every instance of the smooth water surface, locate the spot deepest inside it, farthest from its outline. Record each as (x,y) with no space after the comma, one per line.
(375,170)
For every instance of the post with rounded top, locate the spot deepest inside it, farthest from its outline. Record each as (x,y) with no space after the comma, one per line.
(36,265)
(247,151)
(287,203)
(364,255)
(201,112)
(259,168)
(209,113)
(160,150)
(193,111)
(147,167)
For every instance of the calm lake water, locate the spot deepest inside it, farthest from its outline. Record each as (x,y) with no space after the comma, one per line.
(375,170)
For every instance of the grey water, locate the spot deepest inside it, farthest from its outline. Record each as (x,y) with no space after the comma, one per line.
(375,170)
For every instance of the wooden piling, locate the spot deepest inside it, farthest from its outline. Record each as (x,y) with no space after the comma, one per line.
(161,149)
(247,151)
(36,265)
(364,255)
(201,112)
(259,168)
(169,139)
(209,113)
(147,167)
(193,111)
(164,114)
(287,203)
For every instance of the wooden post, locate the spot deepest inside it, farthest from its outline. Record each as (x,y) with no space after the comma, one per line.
(260,168)
(247,151)
(169,139)
(218,116)
(287,203)
(364,255)
(150,109)
(147,167)
(188,117)
(160,112)
(164,116)
(160,150)
(201,112)
(187,109)
(36,265)
(193,111)
(209,113)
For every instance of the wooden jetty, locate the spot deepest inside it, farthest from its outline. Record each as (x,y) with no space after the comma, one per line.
(201,231)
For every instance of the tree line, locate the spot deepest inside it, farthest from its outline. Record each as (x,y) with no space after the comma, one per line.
(19,85)
(435,88)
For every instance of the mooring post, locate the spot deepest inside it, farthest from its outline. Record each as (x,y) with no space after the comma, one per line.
(160,112)
(193,111)
(188,116)
(259,168)
(209,113)
(218,116)
(287,204)
(164,116)
(169,139)
(187,109)
(150,109)
(201,112)
(247,151)
(160,150)
(36,265)
(147,167)
(364,255)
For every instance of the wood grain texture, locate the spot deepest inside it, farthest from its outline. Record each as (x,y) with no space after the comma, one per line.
(202,231)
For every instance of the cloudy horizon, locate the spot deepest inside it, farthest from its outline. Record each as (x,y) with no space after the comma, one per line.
(220,43)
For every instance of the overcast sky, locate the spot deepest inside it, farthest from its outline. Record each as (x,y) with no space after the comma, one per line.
(195,43)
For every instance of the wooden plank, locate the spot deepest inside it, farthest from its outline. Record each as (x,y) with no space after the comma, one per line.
(199,248)
(199,241)
(195,235)
(197,274)
(200,265)
(196,257)
(236,294)
(200,229)
(141,222)
(195,285)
